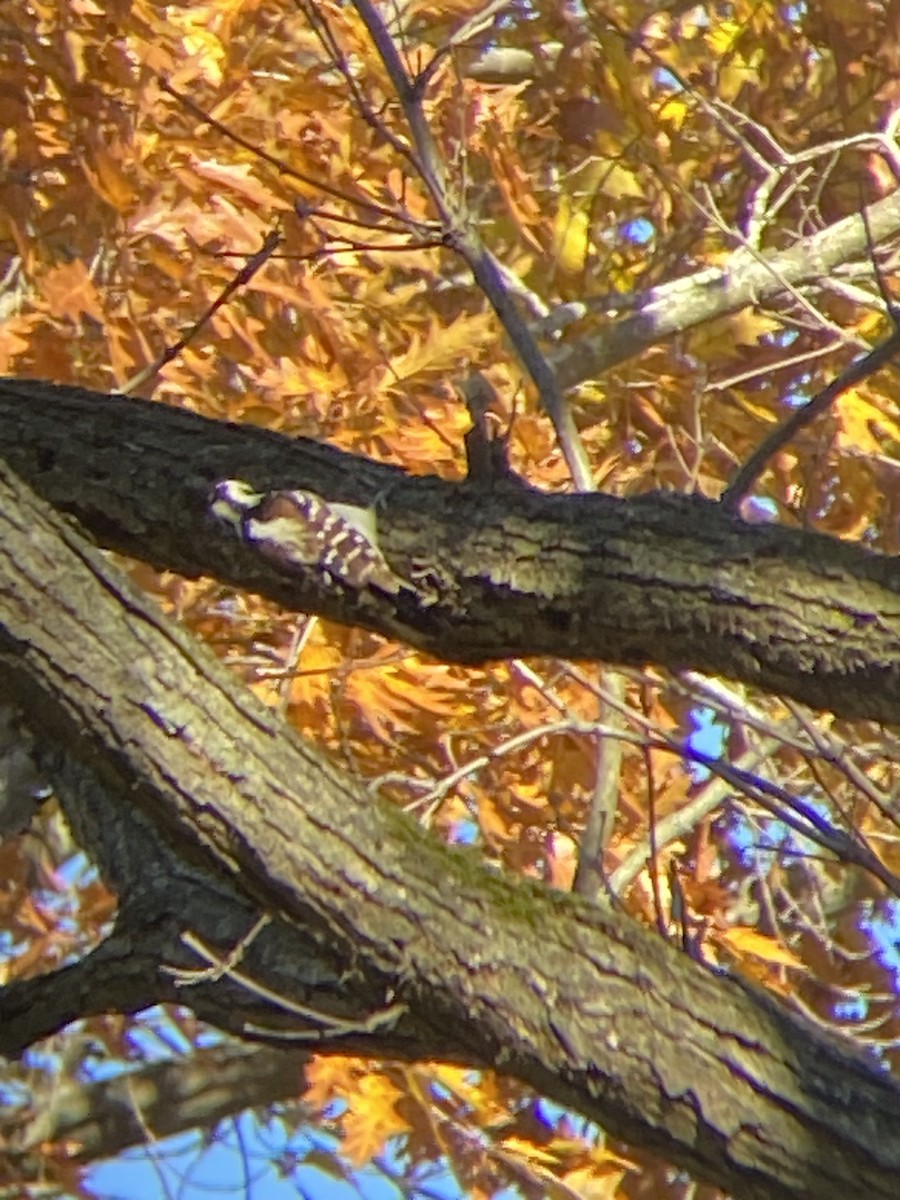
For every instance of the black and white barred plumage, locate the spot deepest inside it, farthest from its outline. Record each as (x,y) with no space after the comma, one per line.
(300,529)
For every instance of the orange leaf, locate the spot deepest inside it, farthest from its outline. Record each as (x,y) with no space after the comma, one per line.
(108,180)
(70,292)
(373,1118)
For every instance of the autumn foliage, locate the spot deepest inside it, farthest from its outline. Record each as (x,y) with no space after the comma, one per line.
(222,206)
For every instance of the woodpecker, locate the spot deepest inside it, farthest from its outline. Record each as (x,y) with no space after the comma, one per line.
(300,529)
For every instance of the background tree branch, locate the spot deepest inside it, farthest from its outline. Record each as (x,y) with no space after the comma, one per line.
(97,1120)
(750,277)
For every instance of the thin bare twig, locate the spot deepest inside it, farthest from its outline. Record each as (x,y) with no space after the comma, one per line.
(319,24)
(284,168)
(861,369)
(270,243)
(797,814)
(218,968)
(678,824)
(589,878)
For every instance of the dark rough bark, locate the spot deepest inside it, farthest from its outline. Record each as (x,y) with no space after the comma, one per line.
(581,1002)
(666,579)
(187,934)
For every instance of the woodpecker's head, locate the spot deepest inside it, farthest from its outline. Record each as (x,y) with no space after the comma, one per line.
(232,500)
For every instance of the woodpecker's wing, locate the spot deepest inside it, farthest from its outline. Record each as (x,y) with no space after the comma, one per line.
(283,528)
(339,539)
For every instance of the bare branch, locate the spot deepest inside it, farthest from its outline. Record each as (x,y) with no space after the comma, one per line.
(743,481)
(463,237)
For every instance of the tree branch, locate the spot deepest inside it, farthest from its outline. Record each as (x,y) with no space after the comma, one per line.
(748,278)
(667,579)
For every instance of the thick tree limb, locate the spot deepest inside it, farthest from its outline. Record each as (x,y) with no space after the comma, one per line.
(580,1002)
(666,579)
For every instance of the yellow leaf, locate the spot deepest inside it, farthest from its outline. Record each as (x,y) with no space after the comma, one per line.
(722,336)
(528,1150)
(619,183)
(570,236)
(174,266)
(749,325)
(441,348)
(108,180)
(588,1184)
(733,77)
(863,426)
(328,1078)
(15,335)
(478,1090)
(722,38)
(76,47)
(675,112)
(747,941)
(240,178)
